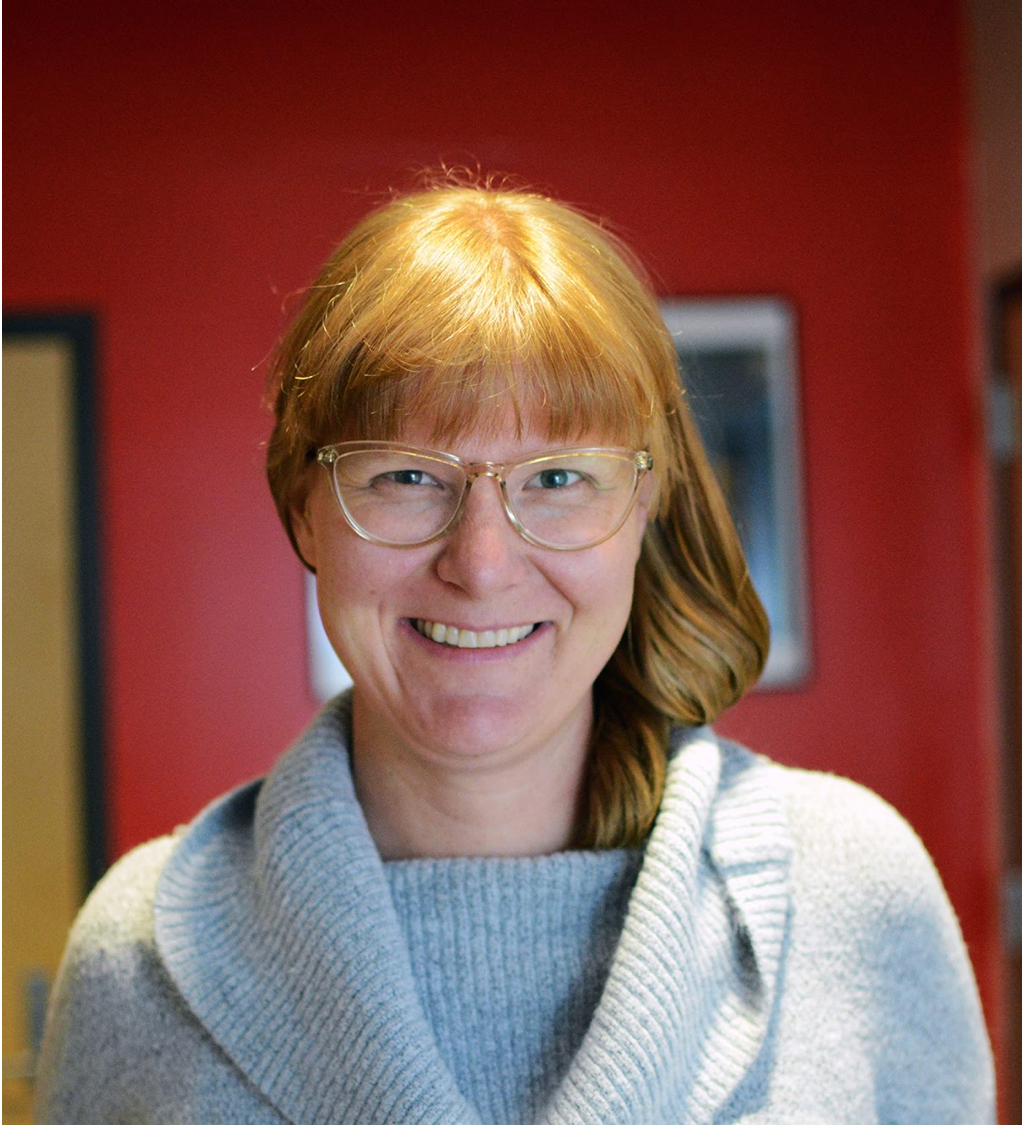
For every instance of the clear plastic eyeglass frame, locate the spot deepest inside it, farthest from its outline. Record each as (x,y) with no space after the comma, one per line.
(330,455)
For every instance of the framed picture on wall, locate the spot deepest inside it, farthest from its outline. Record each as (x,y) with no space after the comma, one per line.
(739,368)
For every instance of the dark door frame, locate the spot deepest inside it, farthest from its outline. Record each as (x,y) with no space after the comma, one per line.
(79,331)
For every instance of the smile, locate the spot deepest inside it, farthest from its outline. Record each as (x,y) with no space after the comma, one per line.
(469,638)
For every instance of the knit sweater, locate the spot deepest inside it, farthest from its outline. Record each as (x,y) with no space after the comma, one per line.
(509,957)
(781,951)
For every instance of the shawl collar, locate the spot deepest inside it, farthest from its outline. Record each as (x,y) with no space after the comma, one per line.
(274,920)
(692,985)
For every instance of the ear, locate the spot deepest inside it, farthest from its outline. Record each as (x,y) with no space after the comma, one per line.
(303,528)
(646,501)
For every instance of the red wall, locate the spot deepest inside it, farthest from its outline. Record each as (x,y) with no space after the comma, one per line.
(183,172)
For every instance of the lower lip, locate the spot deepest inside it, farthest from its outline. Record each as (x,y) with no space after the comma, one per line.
(474,655)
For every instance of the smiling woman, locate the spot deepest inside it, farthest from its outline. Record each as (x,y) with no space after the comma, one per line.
(512,875)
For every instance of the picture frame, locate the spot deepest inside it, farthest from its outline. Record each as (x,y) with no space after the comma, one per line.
(737,359)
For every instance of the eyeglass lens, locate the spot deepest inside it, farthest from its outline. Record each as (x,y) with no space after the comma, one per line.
(565,500)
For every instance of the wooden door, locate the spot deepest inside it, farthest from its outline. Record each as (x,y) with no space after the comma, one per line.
(52,823)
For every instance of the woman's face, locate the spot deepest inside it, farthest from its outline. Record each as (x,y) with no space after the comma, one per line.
(453,704)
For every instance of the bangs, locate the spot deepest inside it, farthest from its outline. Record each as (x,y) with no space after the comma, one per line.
(567,393)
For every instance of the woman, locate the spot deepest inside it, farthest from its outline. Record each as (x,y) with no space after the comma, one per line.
(513,876)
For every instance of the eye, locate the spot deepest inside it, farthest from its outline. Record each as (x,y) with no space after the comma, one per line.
(554,479)
(408,477)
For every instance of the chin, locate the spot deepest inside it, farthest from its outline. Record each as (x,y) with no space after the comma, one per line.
(480,726)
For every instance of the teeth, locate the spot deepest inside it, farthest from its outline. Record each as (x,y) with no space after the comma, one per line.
(468,638)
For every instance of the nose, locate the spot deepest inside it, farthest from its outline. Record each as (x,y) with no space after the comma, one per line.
(482,553)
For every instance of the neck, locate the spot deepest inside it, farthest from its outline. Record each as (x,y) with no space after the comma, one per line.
(418,804)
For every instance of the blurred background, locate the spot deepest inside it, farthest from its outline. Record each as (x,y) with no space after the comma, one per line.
(177,173)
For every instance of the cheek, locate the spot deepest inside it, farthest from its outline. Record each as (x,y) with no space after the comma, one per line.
(361,581)
(348,598)
(348,583)
(604,587)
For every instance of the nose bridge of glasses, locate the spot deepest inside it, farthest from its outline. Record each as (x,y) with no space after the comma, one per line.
(496,473)
(484,469)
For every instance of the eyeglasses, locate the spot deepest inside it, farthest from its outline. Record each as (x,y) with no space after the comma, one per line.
(564,499)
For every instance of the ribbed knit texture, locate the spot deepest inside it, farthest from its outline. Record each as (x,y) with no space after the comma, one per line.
(787,955)
(676,1025)
(509,958)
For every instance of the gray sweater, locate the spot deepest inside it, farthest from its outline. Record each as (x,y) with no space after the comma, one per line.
(780,951)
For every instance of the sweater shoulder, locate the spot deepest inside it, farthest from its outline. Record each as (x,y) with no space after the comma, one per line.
(856,862)
(872,929)
(841,827)
(119,911)
(106,1011)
